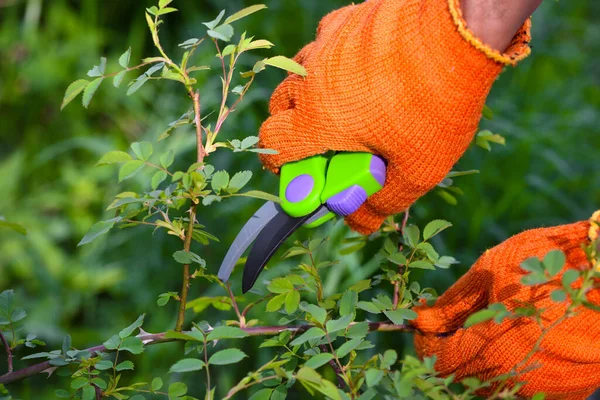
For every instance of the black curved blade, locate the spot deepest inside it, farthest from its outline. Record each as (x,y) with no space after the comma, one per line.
(277,231)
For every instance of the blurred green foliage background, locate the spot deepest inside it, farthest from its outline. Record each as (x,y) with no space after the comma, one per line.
(549,172)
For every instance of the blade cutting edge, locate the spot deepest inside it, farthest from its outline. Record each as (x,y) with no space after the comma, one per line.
(247,235)
(270,239)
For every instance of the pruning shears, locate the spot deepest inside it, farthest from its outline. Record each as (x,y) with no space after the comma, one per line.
(312,191)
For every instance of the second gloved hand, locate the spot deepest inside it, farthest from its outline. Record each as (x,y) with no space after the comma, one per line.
(566,365)
(403,79)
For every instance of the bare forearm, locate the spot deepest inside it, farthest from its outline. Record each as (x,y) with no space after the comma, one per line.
(495,22)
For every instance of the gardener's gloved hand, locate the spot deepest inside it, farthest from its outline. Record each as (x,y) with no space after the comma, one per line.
(403,79)
(567,363)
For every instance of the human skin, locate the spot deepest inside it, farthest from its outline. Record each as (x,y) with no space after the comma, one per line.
(495,22)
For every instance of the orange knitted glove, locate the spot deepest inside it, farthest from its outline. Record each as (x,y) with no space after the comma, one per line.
(568,360)
(404,79)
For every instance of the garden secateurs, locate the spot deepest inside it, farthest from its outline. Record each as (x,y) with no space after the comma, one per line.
(312,191)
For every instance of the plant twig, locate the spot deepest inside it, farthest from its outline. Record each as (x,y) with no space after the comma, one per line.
(201,152)
(235,305)
(338,372)
(185,286)
(9,355)
(157,338)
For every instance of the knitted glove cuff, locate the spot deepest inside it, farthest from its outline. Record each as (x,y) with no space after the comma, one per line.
(517,50)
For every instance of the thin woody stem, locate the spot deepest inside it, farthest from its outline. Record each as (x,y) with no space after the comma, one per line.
(185,287)
(201,152)
(235,305)
(9,355)
(157,338)
(397,283)
(338,372)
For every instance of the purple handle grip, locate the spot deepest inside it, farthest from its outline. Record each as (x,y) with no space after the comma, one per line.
(349,200)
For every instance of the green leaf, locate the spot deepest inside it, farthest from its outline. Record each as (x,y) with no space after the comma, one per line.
(137,84)
(280,285)
(103,365)
(143,150)
(212,24)
(166,159)
(66,345)
(534,278)
(334,325)
(257,194)
(154,68)
(485,137)
(361,286)
(389,359)
(373,376)
(130,169)
(319,360)
(124,58)
(238,181)
(131,328)
(17,314)
(348,302)
(554,261)
(220,180)
(223,32)
(228,356)
(187,365)
(114,157)
(79,382)
(226,332)
(183,257)
(348,346)
(532,264)
(292,300)
(411,235)
(98,70)
(368,307)
(14,226)
(569,277)
(311,334)
(156,384)
(488,113)
(89,91)
(276,303)
(133,345)
(73,90)
(166,10)
(177,389)
(113,343)
(360,329)
(318,313)
(421,264)
(398,259)
(98,229)
(280,393)
(125,365)
(558,295)
(258,44)
(286,64)
(398,316)
(435,227)
(88,392)
(244,13)
(262,394)
(479,317)
(539,396)
(157,179)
